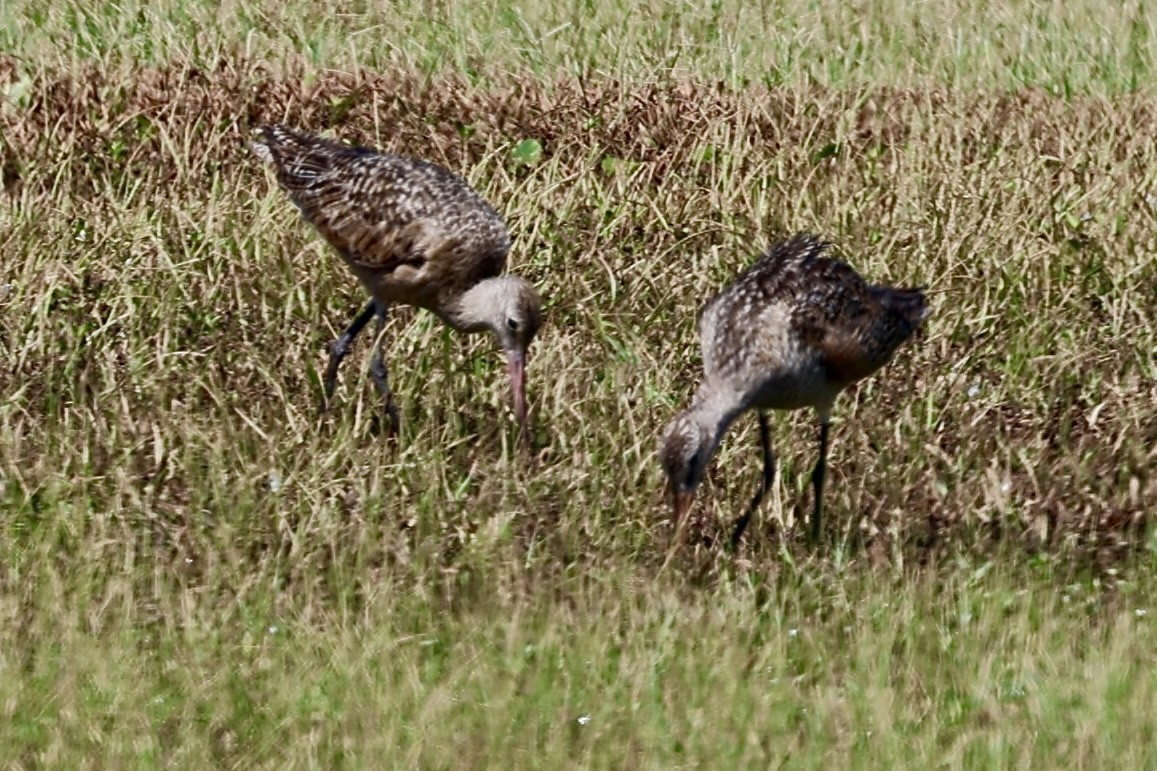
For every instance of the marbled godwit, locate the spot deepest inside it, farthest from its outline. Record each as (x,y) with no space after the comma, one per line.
(794,330)
(413,233)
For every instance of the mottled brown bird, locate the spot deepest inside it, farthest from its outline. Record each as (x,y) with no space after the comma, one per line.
(414,233)
(793,330)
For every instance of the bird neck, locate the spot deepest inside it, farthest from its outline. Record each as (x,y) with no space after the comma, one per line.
(474,309)
(714,410)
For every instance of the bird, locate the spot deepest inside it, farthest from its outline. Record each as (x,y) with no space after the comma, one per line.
(412,232)
(793,330)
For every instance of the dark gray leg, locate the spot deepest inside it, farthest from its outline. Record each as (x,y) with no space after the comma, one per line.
(818,481)
(764,485)
(382,379)
(340,347)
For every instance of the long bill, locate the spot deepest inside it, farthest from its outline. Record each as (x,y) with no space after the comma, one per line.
(680,505)
(516,365)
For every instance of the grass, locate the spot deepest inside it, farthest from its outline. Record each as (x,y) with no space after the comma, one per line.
(615,676)
(1065,47)
(198,571)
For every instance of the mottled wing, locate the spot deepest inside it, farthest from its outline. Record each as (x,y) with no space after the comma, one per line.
(383,211)
(791,299)
(831,299)
(742,317)
(835,317)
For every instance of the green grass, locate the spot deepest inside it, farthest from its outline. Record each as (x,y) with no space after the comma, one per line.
(1065,47)
(815,668)
(197,571)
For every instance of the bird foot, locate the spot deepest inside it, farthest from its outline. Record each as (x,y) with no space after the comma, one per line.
(392,425)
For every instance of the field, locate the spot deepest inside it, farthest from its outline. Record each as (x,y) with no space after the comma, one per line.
(196,570)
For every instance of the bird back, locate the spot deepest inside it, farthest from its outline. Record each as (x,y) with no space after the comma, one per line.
(383,211)
(816,305)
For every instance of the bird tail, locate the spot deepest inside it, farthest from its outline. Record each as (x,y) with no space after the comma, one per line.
(270,140)
(908,305)
(301,160)
(262,151)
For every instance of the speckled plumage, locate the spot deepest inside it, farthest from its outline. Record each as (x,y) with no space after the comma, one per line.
(792,331)
(796,328)
(412,232)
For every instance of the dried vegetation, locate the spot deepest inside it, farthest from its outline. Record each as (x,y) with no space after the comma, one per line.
(156,286)
(164,316)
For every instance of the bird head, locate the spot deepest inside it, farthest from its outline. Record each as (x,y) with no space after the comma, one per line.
(516,315)
(684,451)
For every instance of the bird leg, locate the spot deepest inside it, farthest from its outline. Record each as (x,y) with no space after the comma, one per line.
(764,485)
(340,347)
(381,376)
(818,481)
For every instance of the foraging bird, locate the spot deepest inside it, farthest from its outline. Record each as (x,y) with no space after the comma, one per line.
(793,330)
(412,232)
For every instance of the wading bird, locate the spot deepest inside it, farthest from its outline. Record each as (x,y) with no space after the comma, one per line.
(412,232)
(793,330)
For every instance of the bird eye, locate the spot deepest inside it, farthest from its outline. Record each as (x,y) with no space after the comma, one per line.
(512,324)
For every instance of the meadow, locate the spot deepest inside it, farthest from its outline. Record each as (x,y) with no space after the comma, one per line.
(196,570)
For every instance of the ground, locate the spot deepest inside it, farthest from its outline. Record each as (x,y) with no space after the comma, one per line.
(197,570)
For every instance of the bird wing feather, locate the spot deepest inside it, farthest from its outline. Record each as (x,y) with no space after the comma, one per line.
(822,302)
(382,211)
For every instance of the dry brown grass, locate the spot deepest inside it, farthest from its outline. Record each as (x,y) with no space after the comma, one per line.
(1031,220)
(197,566)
